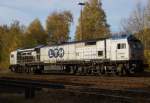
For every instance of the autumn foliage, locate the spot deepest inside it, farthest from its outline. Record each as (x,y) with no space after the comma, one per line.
(16,36)
(92,23)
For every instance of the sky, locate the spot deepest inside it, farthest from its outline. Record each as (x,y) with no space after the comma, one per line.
(27,10)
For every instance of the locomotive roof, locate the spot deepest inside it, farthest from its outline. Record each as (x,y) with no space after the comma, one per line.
(114,37)
(94,40)
(124,36)
(73,42)
(30,49)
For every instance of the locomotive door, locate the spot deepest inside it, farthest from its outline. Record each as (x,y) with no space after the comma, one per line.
(113,51)
(121,51)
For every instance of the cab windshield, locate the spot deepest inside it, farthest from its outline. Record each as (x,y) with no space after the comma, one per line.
(137,45)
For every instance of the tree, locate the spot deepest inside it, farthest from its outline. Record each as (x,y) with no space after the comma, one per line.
(2,31)
(139,23)
(144,36)
(10,39)
(58,25)
(93,22)
(147,14)
(35,34)
(136,21)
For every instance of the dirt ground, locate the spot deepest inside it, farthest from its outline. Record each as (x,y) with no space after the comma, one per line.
(53,97)
(85,89)
(101,82)
(63,96)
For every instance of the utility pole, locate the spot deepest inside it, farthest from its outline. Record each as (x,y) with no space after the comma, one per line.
(82,32)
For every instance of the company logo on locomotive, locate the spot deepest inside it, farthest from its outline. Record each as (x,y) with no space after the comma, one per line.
(56,53)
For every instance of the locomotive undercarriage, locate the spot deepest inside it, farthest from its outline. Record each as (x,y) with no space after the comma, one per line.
(120,68)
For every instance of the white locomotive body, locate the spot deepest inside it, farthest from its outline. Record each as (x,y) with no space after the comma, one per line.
(120,55)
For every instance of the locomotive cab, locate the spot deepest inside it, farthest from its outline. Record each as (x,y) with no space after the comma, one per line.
(26,60)
(136,50)
(13,58)
(136,54)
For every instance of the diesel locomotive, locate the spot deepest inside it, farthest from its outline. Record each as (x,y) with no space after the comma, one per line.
(117,55)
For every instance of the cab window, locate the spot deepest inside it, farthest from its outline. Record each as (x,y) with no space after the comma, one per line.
(137,45)
(121,46)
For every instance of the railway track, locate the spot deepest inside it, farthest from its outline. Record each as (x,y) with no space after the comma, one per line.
(28,86)
(112,97)
(104,95)
(126,89)
(98,81)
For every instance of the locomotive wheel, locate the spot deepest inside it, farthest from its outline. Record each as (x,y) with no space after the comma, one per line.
(12,69)
(26,70)
(82,70)
(102,69)
(121,70)
(67,69)
(97,72)
(20,69)
(37,72)
(75,69)
(85,70)
(71,70)
(17,69)
(132,69)
(89,70)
